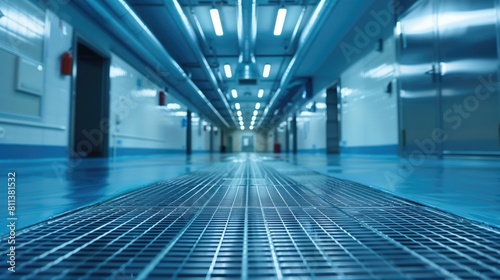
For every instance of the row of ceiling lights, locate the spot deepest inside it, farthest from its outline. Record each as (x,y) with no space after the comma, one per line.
(234,93)
(219,31)
(265,73)
(278,29)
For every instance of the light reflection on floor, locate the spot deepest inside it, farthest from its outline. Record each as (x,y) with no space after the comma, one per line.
(46,188)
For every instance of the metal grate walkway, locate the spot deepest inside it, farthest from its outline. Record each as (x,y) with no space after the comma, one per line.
(256,219)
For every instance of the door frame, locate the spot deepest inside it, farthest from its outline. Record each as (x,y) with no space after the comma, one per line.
(79,39)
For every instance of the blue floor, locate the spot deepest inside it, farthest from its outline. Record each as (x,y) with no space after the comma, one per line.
(248,216)
(46,188)
(467,187)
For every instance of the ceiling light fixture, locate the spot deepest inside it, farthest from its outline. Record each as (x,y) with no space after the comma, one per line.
(260,94)
(257,106)
(254,118)
(240,118)
(227,71)
(280,21)
(234,93)
(214,13)
(242,128)
(251,127)
(267,71)
(239,113)
(255,113)
(237,106)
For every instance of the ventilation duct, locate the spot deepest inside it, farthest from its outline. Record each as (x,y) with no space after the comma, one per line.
(247,70)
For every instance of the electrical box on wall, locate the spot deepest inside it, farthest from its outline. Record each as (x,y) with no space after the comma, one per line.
(29,77)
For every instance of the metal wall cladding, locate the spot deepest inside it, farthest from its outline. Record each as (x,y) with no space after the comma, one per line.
(448,62)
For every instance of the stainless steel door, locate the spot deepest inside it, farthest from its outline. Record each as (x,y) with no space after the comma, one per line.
(418,74)
(469,64)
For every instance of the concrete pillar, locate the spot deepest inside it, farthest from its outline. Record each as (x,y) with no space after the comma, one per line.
(189,132)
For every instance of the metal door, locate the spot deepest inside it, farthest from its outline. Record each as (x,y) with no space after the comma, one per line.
(247,143)
(418,69)
(469,65)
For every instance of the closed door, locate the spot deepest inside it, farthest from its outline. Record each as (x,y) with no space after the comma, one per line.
(247,143)
(448,62)
(419,96)
(469,65)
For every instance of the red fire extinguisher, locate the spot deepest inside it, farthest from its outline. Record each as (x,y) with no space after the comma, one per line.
(66,64)
(162,98)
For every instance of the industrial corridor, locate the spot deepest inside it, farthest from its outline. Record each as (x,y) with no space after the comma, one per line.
(249,139)
(256,217)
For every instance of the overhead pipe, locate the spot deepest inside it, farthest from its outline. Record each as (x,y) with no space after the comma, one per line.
(311,30)
(247,35)
(177,14)
(141,41)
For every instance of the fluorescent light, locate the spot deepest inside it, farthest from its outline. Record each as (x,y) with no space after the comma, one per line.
(234,93)
(320,105)
(280,21)
(173,106)
(255,113)
(257,106)
(239,113)
(261,93)
(214,13)
(267,71)
(227,70)
(179,114)
(237,106)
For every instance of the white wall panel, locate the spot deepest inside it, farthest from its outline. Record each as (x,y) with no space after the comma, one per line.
(136,119)
(369,113)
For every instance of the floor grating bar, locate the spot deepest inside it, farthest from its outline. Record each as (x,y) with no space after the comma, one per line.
(256,218)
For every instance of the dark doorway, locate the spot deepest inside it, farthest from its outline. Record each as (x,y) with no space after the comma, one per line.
(230,144)
(91,104)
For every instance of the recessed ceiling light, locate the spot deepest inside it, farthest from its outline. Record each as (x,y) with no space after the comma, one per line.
(234,93)
(255,113)
(242,128)
(257,106)
(240,118)
(227,71)
(251,127)
(239,113)
(214,13)
(237,106)
(260,94)
(267,71)
(280,22)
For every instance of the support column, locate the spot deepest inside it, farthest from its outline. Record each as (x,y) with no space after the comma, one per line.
(287,137)
(222,146)
(211,139)
(294,133)
(189,132)
(332,121)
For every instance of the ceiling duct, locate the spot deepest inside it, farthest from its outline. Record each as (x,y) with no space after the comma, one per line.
(247,70)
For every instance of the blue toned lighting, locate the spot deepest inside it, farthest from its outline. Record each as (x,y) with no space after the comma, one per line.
(214,13)
(280,22)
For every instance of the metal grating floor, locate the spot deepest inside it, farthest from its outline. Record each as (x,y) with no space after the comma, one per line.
(256,220)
